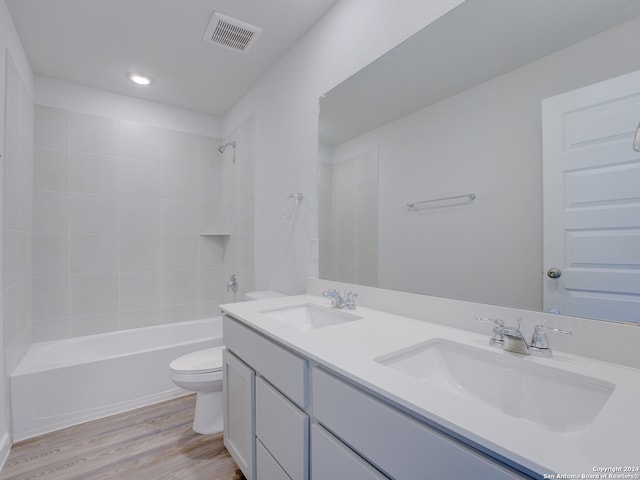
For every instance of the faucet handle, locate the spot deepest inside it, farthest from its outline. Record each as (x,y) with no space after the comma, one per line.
(334,296)
(497,338)
(539,338)
(350,300)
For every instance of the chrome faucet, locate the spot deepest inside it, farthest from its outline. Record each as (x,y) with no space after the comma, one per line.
(511,339)
(540,342)
(350,300)
(338,301)
(497,337)
(514,340)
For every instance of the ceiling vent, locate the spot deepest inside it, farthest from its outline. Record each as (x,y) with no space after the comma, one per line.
(231,33)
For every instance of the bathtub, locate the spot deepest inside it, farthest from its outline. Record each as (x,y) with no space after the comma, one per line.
(66,382)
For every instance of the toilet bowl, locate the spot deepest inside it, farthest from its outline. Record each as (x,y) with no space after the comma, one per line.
(201,372)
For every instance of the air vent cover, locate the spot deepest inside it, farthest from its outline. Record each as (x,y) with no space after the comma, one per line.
(231,33)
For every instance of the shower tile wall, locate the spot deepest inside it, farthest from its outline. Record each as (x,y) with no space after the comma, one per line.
(18,189)
(118,209)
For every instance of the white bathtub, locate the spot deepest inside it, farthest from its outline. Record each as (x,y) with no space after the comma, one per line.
(66,382)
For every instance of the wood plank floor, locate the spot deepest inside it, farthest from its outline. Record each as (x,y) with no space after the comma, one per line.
(150,443)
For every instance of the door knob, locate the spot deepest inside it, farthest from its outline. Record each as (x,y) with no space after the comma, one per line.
(554,272)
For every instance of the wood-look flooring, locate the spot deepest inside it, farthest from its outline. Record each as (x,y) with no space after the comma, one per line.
(150,443)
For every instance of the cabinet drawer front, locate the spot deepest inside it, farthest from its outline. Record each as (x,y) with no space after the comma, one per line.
(268,468)
(331,459)
(284,369)
(397,444)
(283,429)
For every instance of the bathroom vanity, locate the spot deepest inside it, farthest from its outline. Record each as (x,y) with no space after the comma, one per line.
(321,393)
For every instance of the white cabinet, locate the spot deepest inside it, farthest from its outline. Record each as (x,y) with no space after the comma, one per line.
(239,412)
(283,429)
(397,444)
(355,435)
(331,459)
(269,468)
(277,441)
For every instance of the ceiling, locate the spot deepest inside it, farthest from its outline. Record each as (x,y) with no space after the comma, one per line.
(96,42)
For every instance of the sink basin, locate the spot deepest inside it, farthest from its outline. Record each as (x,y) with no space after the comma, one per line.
(309,316)
(552,398)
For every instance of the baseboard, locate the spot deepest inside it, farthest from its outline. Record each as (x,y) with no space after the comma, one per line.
(5,447)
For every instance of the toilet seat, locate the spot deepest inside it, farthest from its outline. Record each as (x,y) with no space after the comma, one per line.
(202,361)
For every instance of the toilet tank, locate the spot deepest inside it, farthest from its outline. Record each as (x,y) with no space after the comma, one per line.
(262,295)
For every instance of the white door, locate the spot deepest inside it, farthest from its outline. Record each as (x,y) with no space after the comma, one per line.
(591,191)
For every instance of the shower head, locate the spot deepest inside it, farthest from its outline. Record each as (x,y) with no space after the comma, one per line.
(222,148)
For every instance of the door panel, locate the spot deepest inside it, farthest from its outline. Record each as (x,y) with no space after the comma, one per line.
(591,191)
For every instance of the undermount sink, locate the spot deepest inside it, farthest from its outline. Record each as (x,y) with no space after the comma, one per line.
(557,400)
(309,316)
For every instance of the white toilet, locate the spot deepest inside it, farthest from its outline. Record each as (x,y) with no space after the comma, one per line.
(201,372)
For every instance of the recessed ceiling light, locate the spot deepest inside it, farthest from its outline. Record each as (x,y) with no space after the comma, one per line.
(140,78)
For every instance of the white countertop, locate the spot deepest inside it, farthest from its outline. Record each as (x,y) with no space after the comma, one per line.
(351,348)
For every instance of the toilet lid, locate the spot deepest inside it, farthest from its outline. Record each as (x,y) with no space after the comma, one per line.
(201,361)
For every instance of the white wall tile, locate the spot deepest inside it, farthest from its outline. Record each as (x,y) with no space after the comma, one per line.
(52,329)
(50,212)
(209,155)
(140,290)
(92,173)
(246,215)
(93,294)
(212,284)
(213,217)
(140,253)
(118,210)
(26,207)
(140,178)
(180,287)
(140,215)
(211,251)
(93,254)
(180,182)
(92,213)
(25,255)
(180,148)
(11,310)
(12,199)
(180,217)
(93,134)
(94,324)
(210,309)
(50,298)
(11,258)
(181,313)
(51,127)
(210,185)
(140,141)
(141,318)
(50,255)
(246,255)
(180,252)
(51,169)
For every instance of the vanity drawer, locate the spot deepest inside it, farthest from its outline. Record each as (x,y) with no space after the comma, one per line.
(267,467)
(284,369)
(331,459)
(394,442)
(283,429)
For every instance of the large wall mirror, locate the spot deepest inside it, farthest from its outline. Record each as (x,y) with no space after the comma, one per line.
(455,111)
